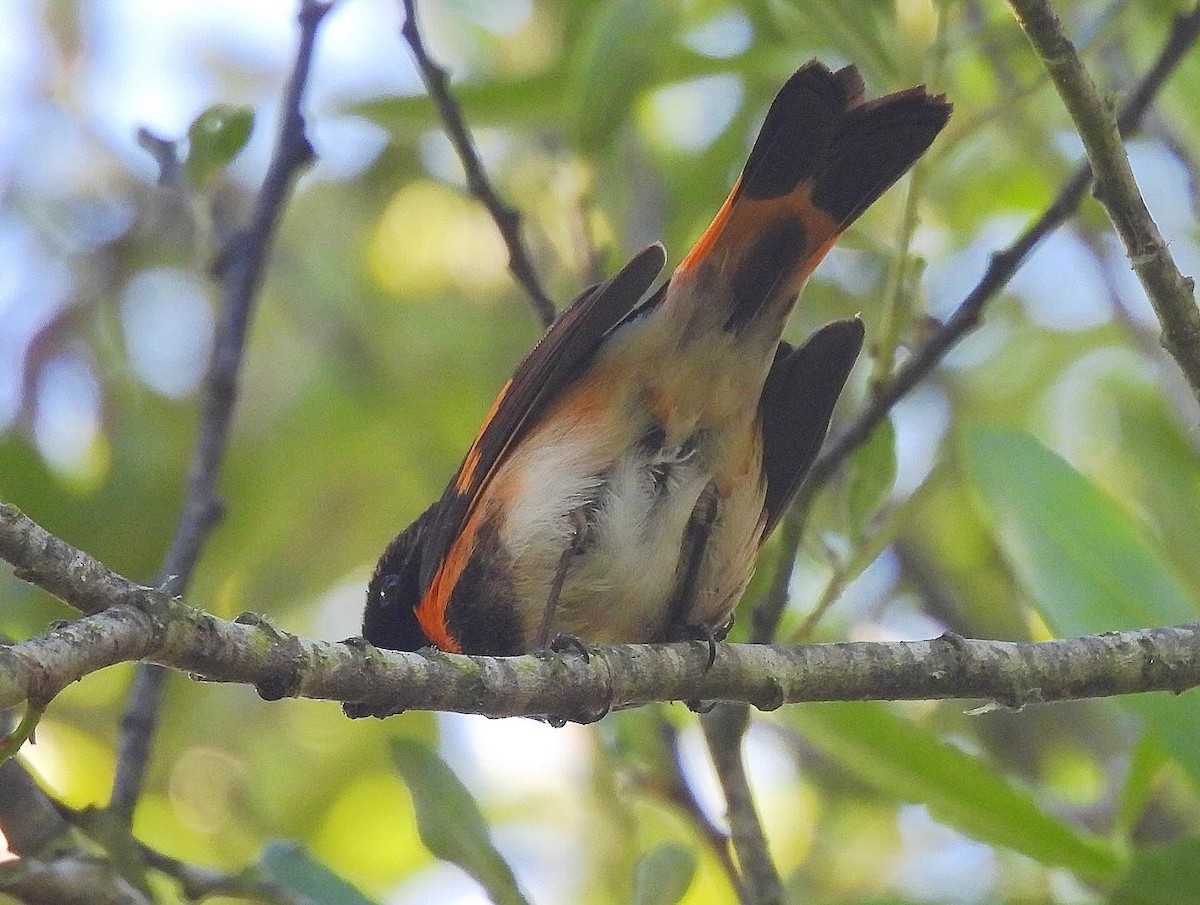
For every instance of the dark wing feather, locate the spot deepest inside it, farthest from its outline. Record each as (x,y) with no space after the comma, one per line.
(551,365)
(797,404)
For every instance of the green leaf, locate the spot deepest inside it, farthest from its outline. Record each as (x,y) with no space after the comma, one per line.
(872,474)
(663,875)
(1163,875)
(861,30)
(906,760)
(215,137)
(617,59)
(1144,768)
(535,99)
(290,866)
(450,822)
(1087,566)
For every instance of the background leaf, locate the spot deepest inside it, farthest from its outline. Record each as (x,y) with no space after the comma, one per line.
(1087,566)
(294,869)
(616,61)
(1084,562)
(1161,875)
(215,137)
(663,874)
(450,822)
(903,759)
(871,477)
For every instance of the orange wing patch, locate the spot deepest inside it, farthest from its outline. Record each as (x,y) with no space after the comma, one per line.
(466,474)
(431,611)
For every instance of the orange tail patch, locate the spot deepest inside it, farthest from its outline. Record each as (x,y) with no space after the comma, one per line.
(822,157)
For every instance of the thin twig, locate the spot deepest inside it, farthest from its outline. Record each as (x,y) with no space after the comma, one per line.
(507,219)
(724,730)
(240,267)
(904,272)
(897,308)
(1170,292)
(1003,264)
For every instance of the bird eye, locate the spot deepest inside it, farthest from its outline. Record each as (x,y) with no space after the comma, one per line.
(388,585)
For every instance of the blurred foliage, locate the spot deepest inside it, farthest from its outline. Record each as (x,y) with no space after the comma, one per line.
(1055,456)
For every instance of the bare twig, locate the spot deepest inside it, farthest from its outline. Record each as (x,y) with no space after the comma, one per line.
(1003,265)
(165,154)
(240,267)
(724,730)
(146,623)
(1169,291)
(507,219)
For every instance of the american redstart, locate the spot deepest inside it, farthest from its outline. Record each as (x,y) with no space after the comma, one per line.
(627,474)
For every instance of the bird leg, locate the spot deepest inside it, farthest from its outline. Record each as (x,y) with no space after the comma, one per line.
(695,541)
(562,642)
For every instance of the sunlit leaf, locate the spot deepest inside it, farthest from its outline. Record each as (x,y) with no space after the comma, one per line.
(451,824)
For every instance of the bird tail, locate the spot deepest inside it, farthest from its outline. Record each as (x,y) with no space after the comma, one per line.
(822,157)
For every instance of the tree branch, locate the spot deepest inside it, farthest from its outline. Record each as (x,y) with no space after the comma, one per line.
(507,219)
(1003,265)
(149,624)
(240,267)
(1169,291)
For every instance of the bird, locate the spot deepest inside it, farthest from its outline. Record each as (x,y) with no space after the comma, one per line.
(628,473)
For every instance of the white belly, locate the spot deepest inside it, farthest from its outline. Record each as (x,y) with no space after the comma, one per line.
(700,389)
(619,587)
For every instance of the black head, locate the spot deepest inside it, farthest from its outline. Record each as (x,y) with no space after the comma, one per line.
(390,620)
